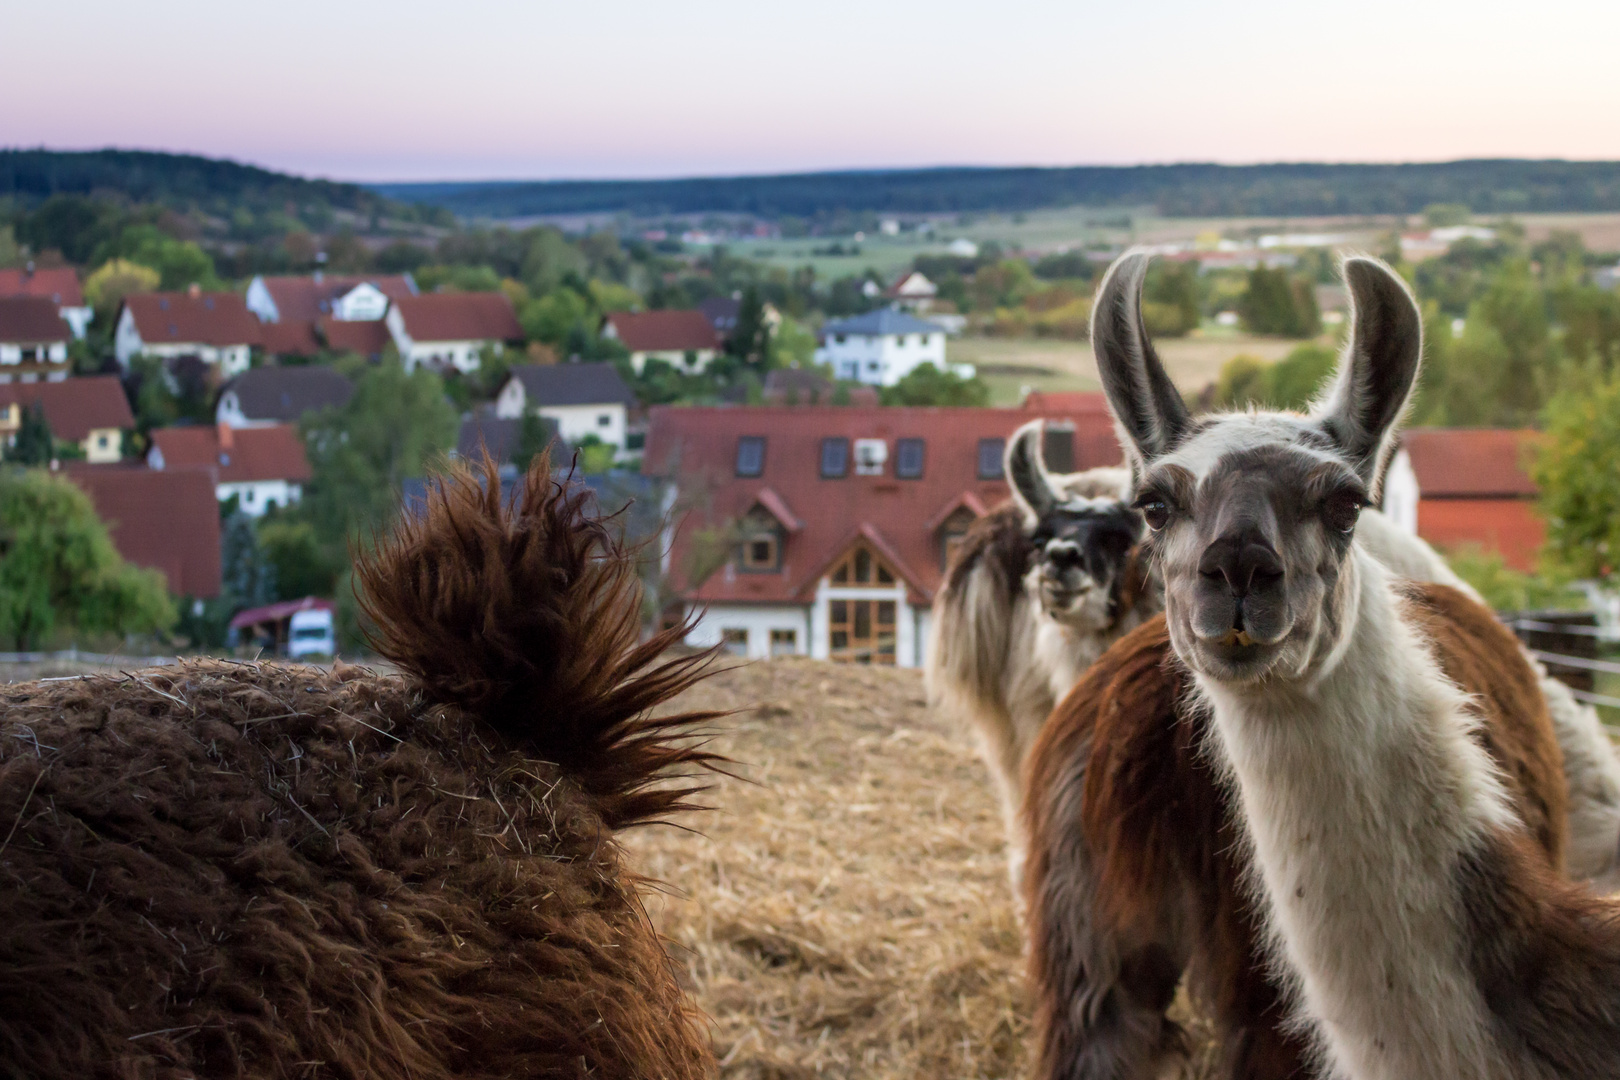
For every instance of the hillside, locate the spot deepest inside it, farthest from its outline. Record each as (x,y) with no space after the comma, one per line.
(180,181)
(1189,190)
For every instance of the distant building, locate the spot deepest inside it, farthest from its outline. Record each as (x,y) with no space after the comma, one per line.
(261,466)
(1458,487)
(166,521)
(881,347)
(59,285)
(363,338)
(841,520)
(722,312)
(799,386)
(448,331)
(580,399)
(214,327)
(90,412)
(686,340)
(912,291)
(294,299)
(280,395)
(33,340)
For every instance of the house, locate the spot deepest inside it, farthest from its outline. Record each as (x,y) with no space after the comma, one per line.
(299,299)
(1460,487)
(280,395)
(580,399)
(90,412)
(881,347)
(261,466)
(451,330)
(722,312)
(33,340)
(912,291)
(363,338)
(59,285)
(825,531)
(214,327)
(686,340)
(1087,416)
(166,521)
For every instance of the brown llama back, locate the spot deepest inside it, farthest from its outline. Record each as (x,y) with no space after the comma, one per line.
(244,870)
(1168,861)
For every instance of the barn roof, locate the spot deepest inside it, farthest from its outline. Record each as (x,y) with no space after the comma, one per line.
(1472,463)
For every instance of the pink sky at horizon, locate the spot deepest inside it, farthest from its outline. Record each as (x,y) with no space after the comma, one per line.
(494,89)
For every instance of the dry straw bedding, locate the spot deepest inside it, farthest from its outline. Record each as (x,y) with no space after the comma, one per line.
(846,913)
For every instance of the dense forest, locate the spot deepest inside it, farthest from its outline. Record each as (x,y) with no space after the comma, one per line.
(1174,190)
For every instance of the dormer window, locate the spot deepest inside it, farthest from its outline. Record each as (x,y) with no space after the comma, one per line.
(834,458)
(990,453)
(760,544)
(908,459)
(1057,447)
(751,455)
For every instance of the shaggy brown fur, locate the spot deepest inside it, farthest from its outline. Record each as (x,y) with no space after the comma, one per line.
(231,870)
(1149,815)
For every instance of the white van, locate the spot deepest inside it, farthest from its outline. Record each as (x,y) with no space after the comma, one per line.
(311,632)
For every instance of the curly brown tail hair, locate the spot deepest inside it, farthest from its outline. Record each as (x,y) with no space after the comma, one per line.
(528,617)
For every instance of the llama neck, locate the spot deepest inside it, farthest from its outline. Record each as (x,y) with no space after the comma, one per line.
(1362,791)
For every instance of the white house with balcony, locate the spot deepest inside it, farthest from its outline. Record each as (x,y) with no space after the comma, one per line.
(882,347)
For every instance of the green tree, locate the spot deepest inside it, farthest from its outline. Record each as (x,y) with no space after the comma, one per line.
(928,385)
(59,570)
(750,340)
(1289,383)
(1276,303)
(1170,299)
(549,318)
(248,577)
(115,279)
(1580,486)
(179,263)
(292,551)
(33,443)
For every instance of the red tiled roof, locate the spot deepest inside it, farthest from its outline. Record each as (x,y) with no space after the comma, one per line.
(289,338)
(277,612)
(663,331)
(237,456)
(60,286)
(365,338)
(303,299)
(168,521)
(1460,463)
(483,316)
(1079,402)
(26,320)
(74,407)
(899,518)
(210,318)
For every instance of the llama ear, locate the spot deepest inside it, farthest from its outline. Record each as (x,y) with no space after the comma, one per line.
(1147,408)
(1026,472)
(1379,369)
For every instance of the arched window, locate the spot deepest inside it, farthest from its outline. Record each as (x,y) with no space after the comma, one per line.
(861,630)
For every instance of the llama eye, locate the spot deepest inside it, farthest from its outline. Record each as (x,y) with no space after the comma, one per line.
(1156,511)
(1342,510)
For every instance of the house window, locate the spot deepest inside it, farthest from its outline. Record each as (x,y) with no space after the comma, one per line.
(908,459)
(990,452)
(861,631)
(784,642)
(870,454)
(604,420)
(859,567)
(951,535)
(834,458)
(734,640)
(839,338)
(1057,448)
(751,455)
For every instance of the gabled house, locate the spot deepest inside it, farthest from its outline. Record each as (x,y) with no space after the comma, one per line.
(90,412)
(351,298)
(912,291)
(33,340)
(451,330)
(59,285)
(826,531)
(686,340)
(266,396)
(1461,487)
(580,399)
(880,347)
(166,521)
(214,327)
(261,466)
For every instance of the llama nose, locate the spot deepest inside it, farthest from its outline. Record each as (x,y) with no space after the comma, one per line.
(1244,561)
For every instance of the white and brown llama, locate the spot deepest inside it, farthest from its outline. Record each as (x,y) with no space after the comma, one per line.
(1401,864)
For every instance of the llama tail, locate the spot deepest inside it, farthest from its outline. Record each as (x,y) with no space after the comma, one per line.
(528,616)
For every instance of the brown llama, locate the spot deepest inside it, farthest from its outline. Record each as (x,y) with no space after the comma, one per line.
(1399,865)
(245,870)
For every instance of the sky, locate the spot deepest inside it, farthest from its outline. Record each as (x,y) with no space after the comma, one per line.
(501,89)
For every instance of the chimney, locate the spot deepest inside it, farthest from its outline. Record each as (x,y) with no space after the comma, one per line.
(227,438)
